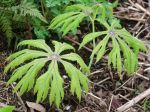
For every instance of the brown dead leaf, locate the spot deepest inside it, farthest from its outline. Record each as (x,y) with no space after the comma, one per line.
(115,102)
(131,110)
(2,105)
(140,2)
(36,106)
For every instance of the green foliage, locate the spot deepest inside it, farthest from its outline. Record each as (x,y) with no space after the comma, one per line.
(122,42)
(40,30)
(10,11)
(56,6)
(7,109)
(74,15)
(52,3)
(25,8)
(5,25)
(30,63)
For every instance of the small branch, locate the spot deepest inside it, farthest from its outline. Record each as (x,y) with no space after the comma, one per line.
(21,101)
(102,102)
(134,101)
(149,3)
(142,9)
(96,72)
(110,103)
(71,40)
(146,78)
(129,18)
(103,80)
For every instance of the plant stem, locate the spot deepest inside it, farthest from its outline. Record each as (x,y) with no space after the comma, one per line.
(42,6)
(91,60)
(93,30)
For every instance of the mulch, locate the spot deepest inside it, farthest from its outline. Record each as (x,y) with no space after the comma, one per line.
(107,92)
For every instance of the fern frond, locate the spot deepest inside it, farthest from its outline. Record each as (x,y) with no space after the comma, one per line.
(26,8)
(10,12)
(29,63)
(5,25)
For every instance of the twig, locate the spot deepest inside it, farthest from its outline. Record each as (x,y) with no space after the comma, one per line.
(142,9)
(110,103)
(71,40)
(139,22)
(127,88)
(131,2)
(123,84)
(134,101)
(19,98)
(144,64)
(91,94)
(103,81)
(146,78)
(141,31)
(81,110)
(95,72)
(123,97)
(129,18)
(147,69)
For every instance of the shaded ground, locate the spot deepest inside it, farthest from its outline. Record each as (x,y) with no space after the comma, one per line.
(107,91)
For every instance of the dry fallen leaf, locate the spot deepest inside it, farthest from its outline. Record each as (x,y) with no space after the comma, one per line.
(36,106)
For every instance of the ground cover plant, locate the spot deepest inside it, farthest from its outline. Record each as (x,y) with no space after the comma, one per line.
(48,70)
(51,79)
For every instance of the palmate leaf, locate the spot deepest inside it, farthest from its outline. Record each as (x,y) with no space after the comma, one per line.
(76,80)
(28,63)
(115,56)
(67,22)
(122,42)
(7,109)
(75,57)
(74,15)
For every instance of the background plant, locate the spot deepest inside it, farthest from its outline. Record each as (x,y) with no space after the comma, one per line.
(29,63)
(75,14)
(122,40)
(56,6)
(13,11)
